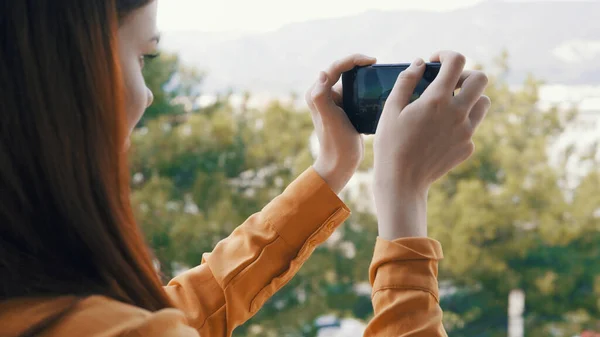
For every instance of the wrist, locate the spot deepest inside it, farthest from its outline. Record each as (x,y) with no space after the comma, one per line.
(336,175)
(401,212)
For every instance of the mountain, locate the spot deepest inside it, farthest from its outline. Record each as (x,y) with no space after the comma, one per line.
(557,41)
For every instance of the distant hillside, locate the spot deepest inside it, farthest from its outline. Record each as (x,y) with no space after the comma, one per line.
(557,41)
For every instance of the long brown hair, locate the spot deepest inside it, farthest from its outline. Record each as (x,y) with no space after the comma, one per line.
(66,224)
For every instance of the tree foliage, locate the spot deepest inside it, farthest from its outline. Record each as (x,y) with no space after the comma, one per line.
(505,218)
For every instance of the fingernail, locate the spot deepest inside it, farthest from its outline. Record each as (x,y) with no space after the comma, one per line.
(418,62)
(323,77)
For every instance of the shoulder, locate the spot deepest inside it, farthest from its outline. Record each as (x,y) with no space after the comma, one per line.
(99,316)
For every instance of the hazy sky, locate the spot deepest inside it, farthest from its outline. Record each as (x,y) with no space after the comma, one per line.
(265,15)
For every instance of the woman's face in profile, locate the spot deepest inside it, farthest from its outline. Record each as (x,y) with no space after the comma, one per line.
(138,38)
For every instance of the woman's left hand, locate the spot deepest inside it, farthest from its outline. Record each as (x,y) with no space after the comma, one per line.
(341,146)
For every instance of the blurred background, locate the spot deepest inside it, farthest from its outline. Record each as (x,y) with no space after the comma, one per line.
(519,222)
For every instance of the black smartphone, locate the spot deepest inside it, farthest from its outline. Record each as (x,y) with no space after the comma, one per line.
(365,90)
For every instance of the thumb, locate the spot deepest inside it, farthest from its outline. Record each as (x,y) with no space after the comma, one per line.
(321,95)
(403,90)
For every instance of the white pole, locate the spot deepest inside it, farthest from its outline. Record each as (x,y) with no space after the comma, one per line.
(516,308)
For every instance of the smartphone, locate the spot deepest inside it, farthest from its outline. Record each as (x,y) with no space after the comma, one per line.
(365,90)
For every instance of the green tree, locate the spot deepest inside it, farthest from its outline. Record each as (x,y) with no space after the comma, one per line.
(167,78)
(505,218)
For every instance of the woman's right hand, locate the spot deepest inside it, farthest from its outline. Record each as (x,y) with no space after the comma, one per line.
(418,143)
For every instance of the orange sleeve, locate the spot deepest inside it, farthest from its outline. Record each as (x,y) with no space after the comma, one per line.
(258,258)
(164,323)
(405,289)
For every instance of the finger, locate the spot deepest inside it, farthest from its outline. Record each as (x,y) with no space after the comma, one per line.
(337,94)
(465,152)
(332,76)
(461,80)
(473,87)
(403,90)
(406,83)
(452,67)
(334,72)
(479,111)
(322,97)
(308,97)
(465,74)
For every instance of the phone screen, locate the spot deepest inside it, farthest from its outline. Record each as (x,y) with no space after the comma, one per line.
(371,86)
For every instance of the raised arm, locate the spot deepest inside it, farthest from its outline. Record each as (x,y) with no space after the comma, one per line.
(264,253)
(415,145)
(258,258)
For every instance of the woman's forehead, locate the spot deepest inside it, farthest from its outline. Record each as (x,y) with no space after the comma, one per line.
(143,20)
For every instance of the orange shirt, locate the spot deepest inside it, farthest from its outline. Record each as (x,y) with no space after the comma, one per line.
(247,268)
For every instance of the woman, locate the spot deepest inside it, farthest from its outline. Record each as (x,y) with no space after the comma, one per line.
(72,260)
